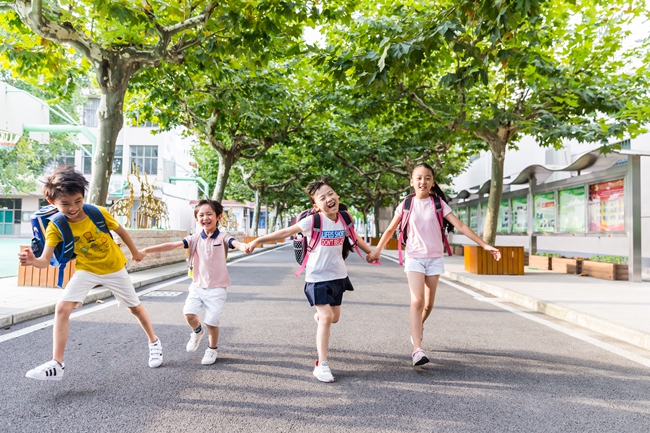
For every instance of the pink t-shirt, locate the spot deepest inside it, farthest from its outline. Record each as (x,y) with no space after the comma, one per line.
(210,269)
(423,232)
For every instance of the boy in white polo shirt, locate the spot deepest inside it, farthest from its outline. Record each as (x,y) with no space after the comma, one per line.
(209,275)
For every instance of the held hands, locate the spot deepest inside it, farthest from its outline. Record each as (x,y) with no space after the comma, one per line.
(26,257)
(495,252)
(250,247)
(373,256)
(241,247)
(138,255)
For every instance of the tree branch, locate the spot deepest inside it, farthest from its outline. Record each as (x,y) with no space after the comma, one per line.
(31,14)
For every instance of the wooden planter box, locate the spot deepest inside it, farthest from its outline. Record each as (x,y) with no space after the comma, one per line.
(248,239)
(605,271)
(458,250)
(45,277)
(539,262)
(479,261)
(566,266)
(374,242)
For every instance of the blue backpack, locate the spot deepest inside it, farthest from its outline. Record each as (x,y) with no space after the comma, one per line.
(64,251)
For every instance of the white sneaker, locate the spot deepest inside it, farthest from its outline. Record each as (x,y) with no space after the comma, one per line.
(51,370)
(195,339)
(155,354)
(210,356)
(419,358)
(322,372)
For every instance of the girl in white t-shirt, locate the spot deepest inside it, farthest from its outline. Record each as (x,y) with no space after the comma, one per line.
(424,262)
(326,277)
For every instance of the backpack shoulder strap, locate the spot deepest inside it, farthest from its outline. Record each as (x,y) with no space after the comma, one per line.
(403,225)
(66,251)
(97,217)
(349,230)
(438,206)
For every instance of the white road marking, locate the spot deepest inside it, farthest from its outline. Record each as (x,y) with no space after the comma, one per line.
(563,329)
(48,323)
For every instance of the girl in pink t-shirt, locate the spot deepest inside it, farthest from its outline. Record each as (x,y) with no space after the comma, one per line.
(424,262)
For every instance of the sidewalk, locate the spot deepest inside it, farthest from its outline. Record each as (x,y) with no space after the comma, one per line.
(618,309)
(18,304)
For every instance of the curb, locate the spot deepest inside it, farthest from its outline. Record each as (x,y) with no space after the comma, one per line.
(97,294)
(605,327)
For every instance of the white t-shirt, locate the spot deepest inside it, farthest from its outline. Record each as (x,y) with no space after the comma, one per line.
(424,236)
(326,262)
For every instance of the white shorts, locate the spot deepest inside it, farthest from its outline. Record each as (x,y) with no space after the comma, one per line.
(118,283)
(428,267)
(212,300)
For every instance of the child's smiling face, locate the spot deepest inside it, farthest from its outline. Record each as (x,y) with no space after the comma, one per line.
(422,181)
(207,218)
(71,206)
(326,200)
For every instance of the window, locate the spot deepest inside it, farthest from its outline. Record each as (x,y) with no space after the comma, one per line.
(146,158)
(10,214)
(90,113)
(63,159)
(87,162)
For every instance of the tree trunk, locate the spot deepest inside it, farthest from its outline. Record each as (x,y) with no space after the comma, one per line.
(256,217)
(498,150)
(225,164)
(279,207)
(365,225)
(113,76)
(376,210)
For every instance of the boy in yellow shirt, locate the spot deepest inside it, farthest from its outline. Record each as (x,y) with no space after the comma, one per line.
(99,262)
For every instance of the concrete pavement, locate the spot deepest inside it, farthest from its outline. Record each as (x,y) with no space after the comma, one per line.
(21,303)
(618,309)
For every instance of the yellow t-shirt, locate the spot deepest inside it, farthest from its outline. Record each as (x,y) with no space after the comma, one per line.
(96,251)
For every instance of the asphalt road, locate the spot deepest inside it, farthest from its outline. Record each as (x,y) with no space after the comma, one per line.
(492,370)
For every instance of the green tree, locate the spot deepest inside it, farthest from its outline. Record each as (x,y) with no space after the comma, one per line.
(117,39)
(237,111)
(20,165)
(497,70)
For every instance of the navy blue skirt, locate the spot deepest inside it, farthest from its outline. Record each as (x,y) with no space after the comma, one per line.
(327,292)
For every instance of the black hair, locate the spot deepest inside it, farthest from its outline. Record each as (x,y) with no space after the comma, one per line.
(311,191)
(316,185)
(438,192)
(215,205)
(65,181)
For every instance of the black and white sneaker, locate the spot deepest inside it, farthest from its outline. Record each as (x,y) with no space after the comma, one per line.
(51,370)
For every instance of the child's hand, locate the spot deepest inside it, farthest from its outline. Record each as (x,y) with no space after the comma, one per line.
(26,257)
(373,256)
(138,255)
(495,252)
(242,247)
(250,247)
